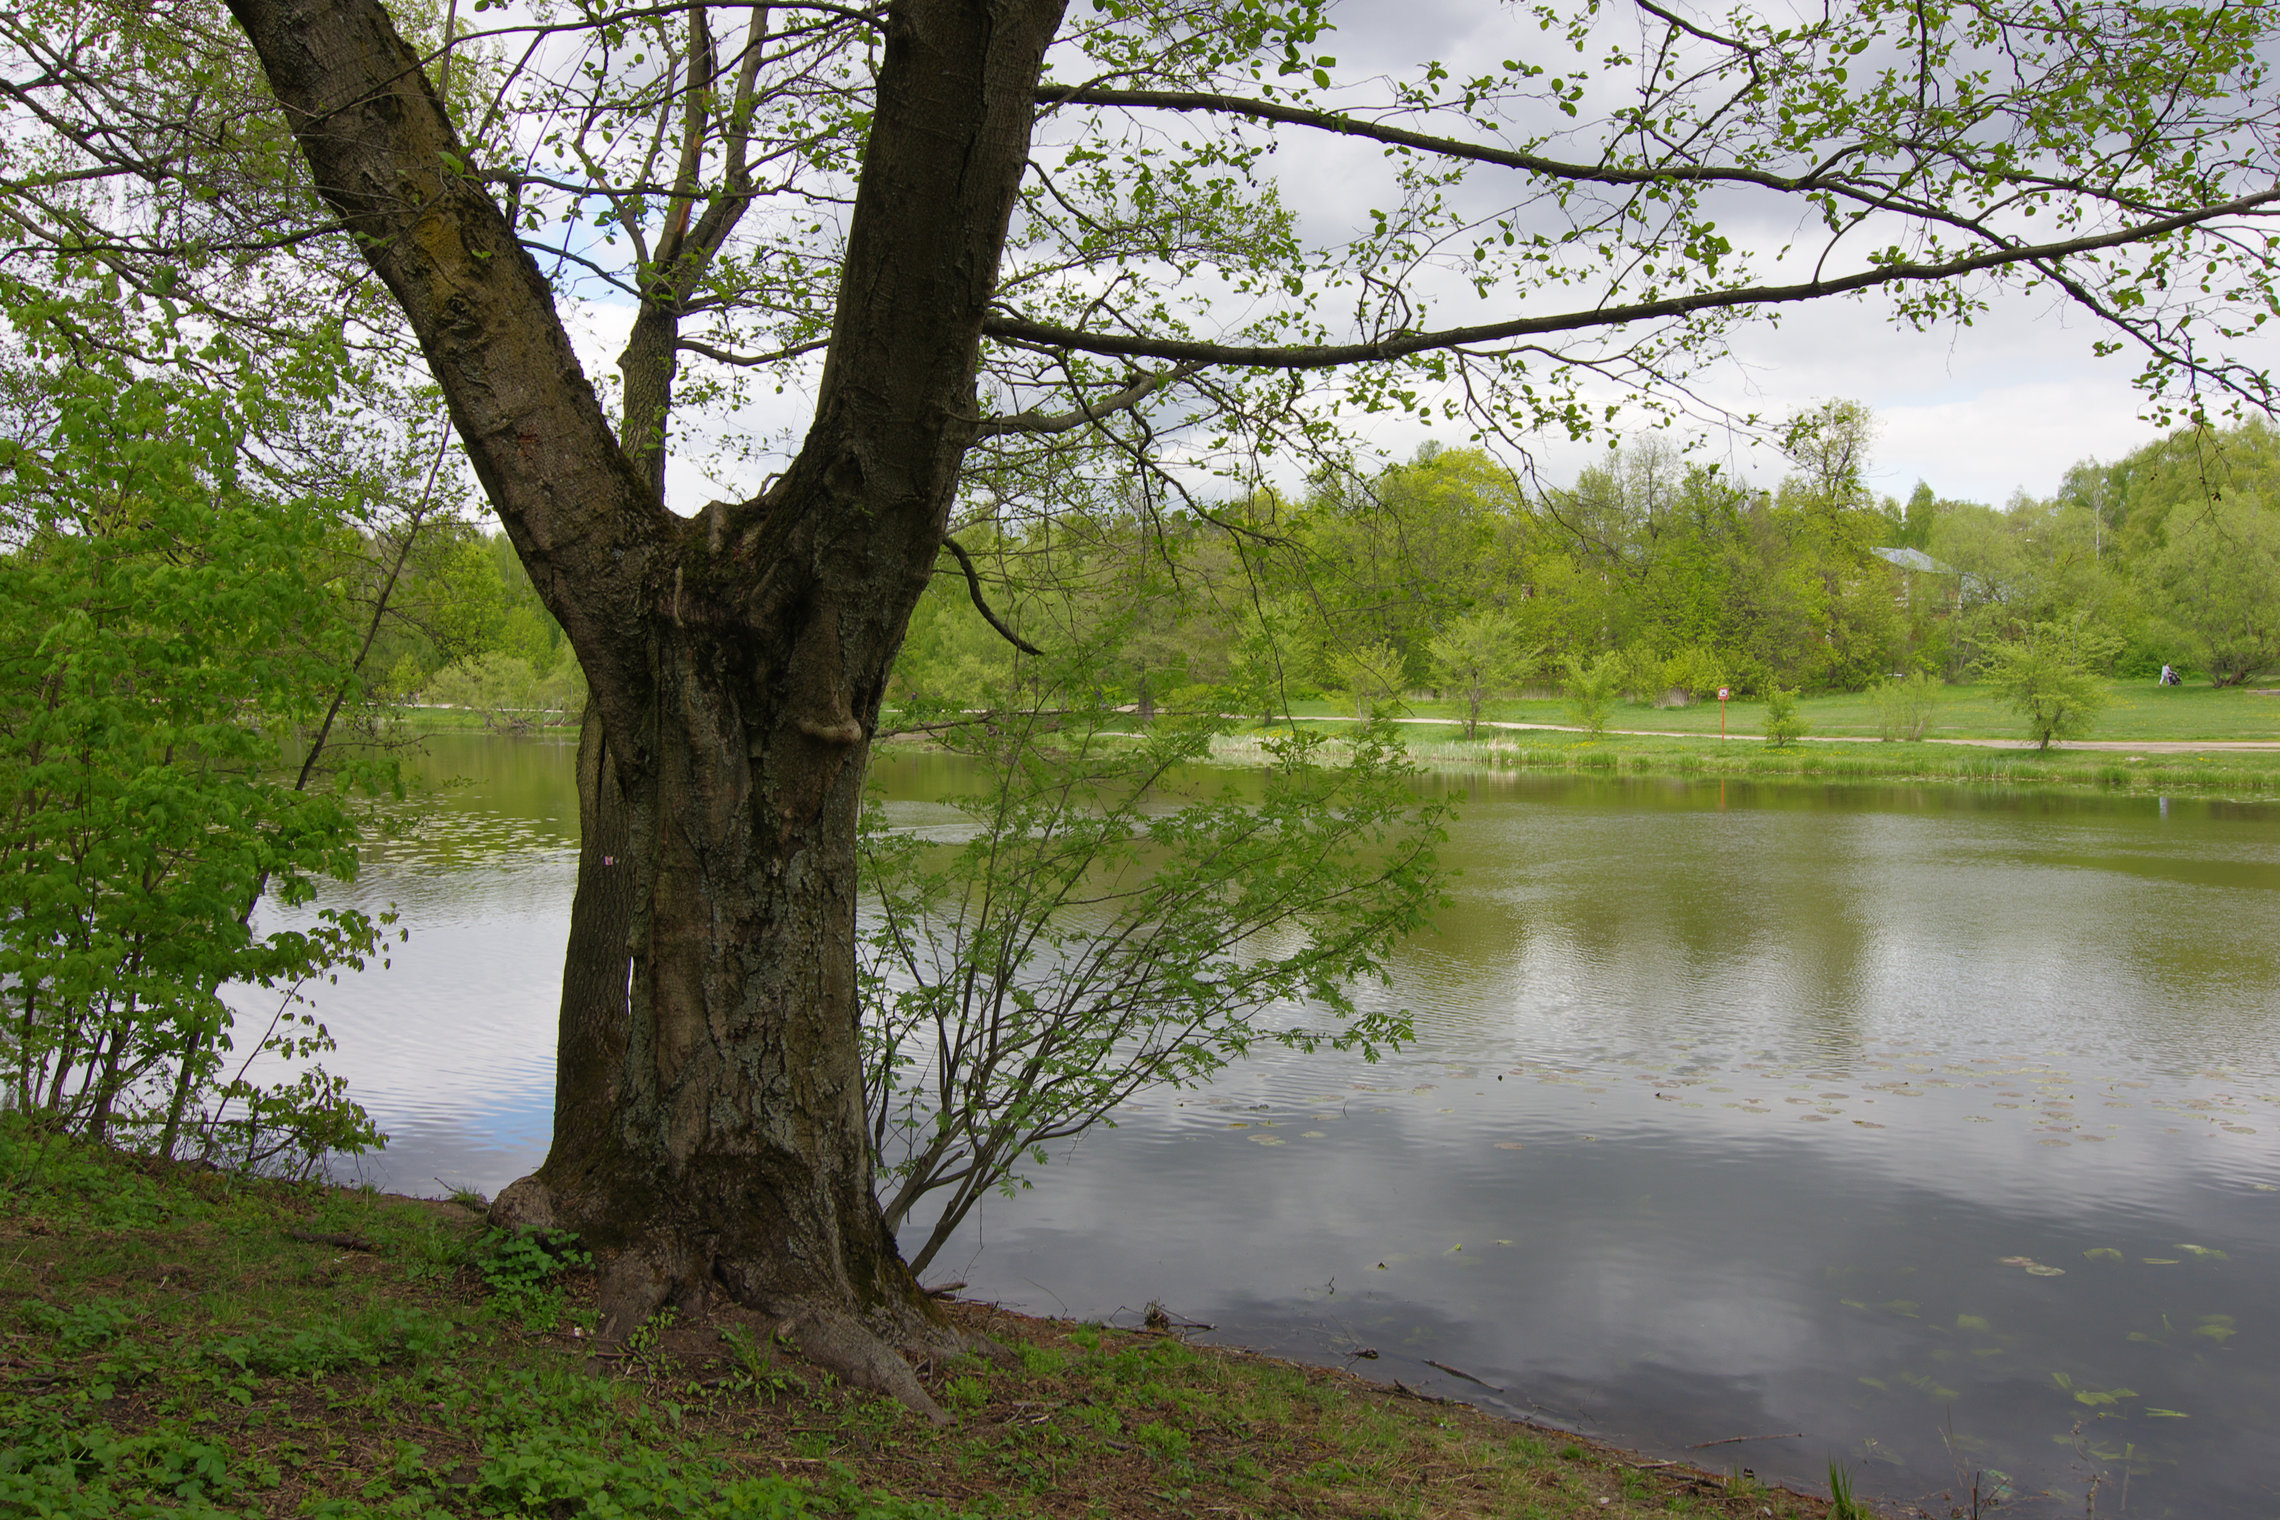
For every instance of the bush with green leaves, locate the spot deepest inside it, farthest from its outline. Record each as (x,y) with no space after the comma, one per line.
(1592,689)
(509,693)
(1783,725)
(1479,655)
(2050,677)
(1118,918)
(2217,581)
(522,1268)
(172,647)
(1374,675)
(1904,706)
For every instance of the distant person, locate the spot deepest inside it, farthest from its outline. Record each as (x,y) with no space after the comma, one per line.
(2169,677)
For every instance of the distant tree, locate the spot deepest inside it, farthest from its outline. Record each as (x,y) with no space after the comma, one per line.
(1592,689)
(1478,655)
(1375,675)
(2050,677)
(1904,706)
(1694,671)
(507,693)
(1783,726)
(1830,446)
(2218,581)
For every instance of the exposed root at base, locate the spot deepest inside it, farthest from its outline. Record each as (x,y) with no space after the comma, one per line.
(863,1351)
(840,1344)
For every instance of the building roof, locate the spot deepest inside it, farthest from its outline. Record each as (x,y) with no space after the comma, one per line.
(1912,559)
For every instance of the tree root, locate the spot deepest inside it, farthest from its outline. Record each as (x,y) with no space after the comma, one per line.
(871,1351)
(843,1345)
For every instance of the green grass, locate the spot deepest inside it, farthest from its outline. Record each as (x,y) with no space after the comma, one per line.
(180,1343)
(2137,710)
(2225,773)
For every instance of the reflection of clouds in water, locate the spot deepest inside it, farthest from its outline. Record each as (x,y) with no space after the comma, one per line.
(1650,1282)
(450,1047)
(1781,1087)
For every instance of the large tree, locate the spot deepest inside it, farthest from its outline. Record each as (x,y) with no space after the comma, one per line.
(998,259)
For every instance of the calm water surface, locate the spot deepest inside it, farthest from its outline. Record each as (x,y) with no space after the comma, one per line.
(1934,1130)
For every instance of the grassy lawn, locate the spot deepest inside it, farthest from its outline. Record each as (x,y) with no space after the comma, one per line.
(2230,773)
(179,1342)
(2136,710)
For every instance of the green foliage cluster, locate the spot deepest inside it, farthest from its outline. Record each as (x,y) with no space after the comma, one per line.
(523,1270)
(1592,688)
(2047,677)
(1904,706)
(497,653)
(1783,724)
(1118,918)
(1445,576)
(177,643)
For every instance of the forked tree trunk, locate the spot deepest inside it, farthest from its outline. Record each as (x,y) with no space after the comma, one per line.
(709,1134)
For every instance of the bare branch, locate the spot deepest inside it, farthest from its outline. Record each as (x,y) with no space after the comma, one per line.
(974,589)
(1065,422)
(1332,355)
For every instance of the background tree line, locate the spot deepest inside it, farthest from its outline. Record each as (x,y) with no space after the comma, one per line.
(1451,575)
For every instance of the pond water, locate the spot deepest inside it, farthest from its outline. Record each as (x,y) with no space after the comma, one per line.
(1934,1130)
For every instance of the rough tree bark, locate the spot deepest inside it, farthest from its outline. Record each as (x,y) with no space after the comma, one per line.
(709,1137)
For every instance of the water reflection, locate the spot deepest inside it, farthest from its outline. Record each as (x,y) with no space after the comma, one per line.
(1936,1126)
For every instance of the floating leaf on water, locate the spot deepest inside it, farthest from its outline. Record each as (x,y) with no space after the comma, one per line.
(1313,1134)
(1971,1322)
(2165,1414)
(1923,1384)
(2159,1261)
(2033,1267)
(1240,1124)
(1877,1383)
(1867,1124)
(1264,1139)
(1453,1250)
(1504,1242)
(2202,1253)
(1813,1118)
(2103,1253)
(1510,1145)
(2264,1187)
(2216,1327)
(2102,1398)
